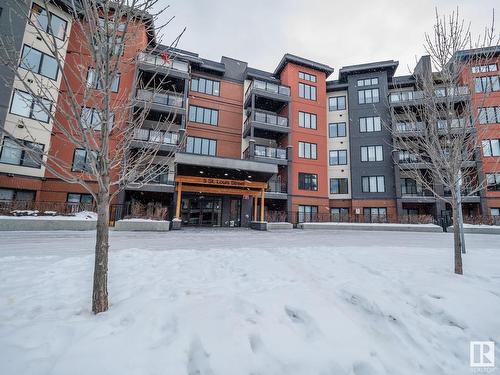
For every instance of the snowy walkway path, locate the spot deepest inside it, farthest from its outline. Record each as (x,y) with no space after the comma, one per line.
(213,302)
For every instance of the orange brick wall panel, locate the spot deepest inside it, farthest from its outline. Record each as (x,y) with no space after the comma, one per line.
(390,204)
(20,182)
(322,203)
(340,203)
(290,77)
(230,121)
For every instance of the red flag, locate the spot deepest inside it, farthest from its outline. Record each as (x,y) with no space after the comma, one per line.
(164,57)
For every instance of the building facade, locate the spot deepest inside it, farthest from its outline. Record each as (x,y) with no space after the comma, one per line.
(246,144)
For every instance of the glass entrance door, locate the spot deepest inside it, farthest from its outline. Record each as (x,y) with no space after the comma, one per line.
(235,212)
(201,210)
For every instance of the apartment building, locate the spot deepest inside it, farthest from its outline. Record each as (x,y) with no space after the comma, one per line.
(291,144)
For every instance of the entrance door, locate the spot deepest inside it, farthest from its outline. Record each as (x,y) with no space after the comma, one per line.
(201,210)
(234,212)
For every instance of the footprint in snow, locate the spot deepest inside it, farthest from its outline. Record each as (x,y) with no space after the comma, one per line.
(198,359)
(302,320)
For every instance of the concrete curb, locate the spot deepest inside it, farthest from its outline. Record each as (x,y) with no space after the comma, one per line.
(142,226)
(279,226)
(371,227)
(484,229)
(45,224)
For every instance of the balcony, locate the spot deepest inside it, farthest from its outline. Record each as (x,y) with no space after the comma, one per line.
(162,182)
(401,98)
(267,90)
(468,196)
(171,67)
(276,190)
(415,194)
(409,128)
(266,154)
(266,122)
(164,141)
(161,101)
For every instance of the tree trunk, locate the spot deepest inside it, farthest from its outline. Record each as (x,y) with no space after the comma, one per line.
(460,218)
(100,291)
(456,241)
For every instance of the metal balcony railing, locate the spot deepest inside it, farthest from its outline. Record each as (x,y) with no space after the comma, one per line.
(277,187)
(409,127)
(162,98)
(156,136)
(155,60)
(267,118)
(439,92)
(266,152)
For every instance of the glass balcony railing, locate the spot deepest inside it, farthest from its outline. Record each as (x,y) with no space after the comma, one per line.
(270,152)
(156,136)
(155,60)
(439,92)
(408,127)
(162,98)
(268,118)
(272,88)
(277,187)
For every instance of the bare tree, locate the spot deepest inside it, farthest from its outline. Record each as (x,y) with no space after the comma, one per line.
(435,129)
(83,109)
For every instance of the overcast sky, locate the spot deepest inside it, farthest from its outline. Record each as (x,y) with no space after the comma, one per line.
(333,32)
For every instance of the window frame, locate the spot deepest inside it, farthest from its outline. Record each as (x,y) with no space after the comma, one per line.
(210,140)
(307,77)
(364,91)
(308,181)
(311,116)
(48,29)
(24,154)
(313,150)
(376,179)
(373,122)
(332,108)
(95,85)
(336,124)
(198,78)
(338,157)
(340,183)
(310,89)
(376,147)
(43,55)
(33,103)
(197,108)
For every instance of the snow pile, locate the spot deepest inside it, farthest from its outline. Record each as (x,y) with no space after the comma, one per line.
(51,215)
(245,302)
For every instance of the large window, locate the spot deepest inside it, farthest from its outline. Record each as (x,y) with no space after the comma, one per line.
(307,213)
(495,212)
(336,103)
(91,118)
(373,184)
(488,84)
(307,91)
(368,96)
(369,124)
(339,186)
(26,105)
(338,157)
(367,82)
(493,181)
(201,146)
(82,160)
(337,129)
(372,153)
(375,214)
(94,82)
(39,62)
(206,86)
(339,214)
(307,120)
(491,147)
(203,115)
(408,186)
(28,155)
(307,77)
(308,181)
(484,68)
(40,19)
(79,198)
(17,195)
(307,150)
(489,115)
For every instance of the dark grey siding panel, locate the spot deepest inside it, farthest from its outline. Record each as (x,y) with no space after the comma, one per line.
(357,139)
(12,25)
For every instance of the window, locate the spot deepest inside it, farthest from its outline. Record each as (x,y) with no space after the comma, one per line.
(203,115)
(13,153)
(339,214)
(336,103)
(17,195)
(373,184)
(307,213)
(94,82)
(406,156)
(372,153)
(307,91)
(111,25)
(369,124)
(491,147)
(368,96)
(307,77)
(495,212)
(408,186)
(489,115)
(339,186)
(79,198)
(82,160)
(26,105)
(39,62)
(337,129)
(307,120)
(493,181)
(307,150)
(308,181)
(338,157)
(488,84)
(367,82)
(201,146)
(150,135)
(40,19)
(91,118)
(484,68)
(206,86)
(375,214)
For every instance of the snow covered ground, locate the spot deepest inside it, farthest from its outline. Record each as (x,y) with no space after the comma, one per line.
(212,302)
